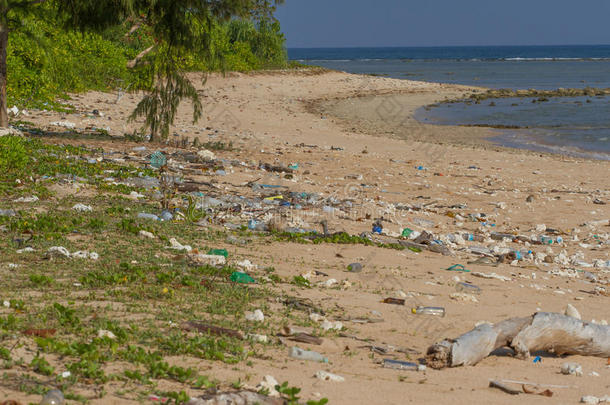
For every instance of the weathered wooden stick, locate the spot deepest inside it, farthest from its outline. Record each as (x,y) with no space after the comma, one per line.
(503,387)
(211,329)
(542,331)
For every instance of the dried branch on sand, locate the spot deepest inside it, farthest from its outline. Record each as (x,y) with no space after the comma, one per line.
(542,331)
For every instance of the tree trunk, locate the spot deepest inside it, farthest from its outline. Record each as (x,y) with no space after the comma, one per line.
(3,101)
(541,331)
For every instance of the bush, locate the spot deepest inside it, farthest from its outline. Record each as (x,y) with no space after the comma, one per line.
(45,61)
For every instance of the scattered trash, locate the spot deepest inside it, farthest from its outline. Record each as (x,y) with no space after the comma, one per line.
(491,275)
(269,383)
(328,325)
(105,334)
(82,208)
(174,244)
(435,311)
(241,278)
(256,316)
(166,215)
(145,215)
(26,199)
(158,160)
(403,365)
(571,369)
(537,359)
(326,376)
(218,252)
(464,297)
(258,338)
(53,397)
(85,255)
(467,288)
(354,267)
(591,400)
(146,234)
(458,267)
(301,354)
(206,155)
(207,260)
(63,124)
(238,398)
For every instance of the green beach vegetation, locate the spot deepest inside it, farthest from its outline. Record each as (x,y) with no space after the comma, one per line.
(55,48)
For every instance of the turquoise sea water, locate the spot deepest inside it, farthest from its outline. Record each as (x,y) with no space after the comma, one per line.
(578,126)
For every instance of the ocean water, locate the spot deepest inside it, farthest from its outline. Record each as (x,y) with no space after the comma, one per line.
(576,126)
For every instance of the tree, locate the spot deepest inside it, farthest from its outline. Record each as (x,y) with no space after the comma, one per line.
(177,26)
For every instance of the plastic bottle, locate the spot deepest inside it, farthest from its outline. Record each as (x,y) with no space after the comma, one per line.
(501,236)
(166,215)
(257,225)
(467,288)
(53,397)
(402,365)
(436,311)
(521,254)
(301,354)
(354,267)
(472,237)
(146,215)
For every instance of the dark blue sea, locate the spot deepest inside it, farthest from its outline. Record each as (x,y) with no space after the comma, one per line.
(576,126)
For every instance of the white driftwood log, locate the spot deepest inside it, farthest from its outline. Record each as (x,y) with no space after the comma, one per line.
(551,332)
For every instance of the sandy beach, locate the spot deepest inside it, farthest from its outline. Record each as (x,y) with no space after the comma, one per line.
(354,139)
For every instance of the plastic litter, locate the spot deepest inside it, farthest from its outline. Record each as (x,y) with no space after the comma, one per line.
(354,267)
(158,160)
(435,311)
(146,215)
(166,215)
(219,252)
(458,267)
(403,365)
(241,278)
(255,316)
(301,354)
(53,397)
(326,376)
(571,369)
(467,288)
(82,208)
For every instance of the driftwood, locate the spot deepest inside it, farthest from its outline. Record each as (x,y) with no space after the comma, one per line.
(542,331)
(211,329)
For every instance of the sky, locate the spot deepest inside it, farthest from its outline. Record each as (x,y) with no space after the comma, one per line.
(362,23)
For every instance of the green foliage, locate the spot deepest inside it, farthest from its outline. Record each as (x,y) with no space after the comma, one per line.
(42,366)
(46,60)
(14,155)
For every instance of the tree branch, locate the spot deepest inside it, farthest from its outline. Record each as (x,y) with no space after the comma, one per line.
(132,63)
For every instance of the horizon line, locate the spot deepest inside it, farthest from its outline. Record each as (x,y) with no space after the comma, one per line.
(441,46)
